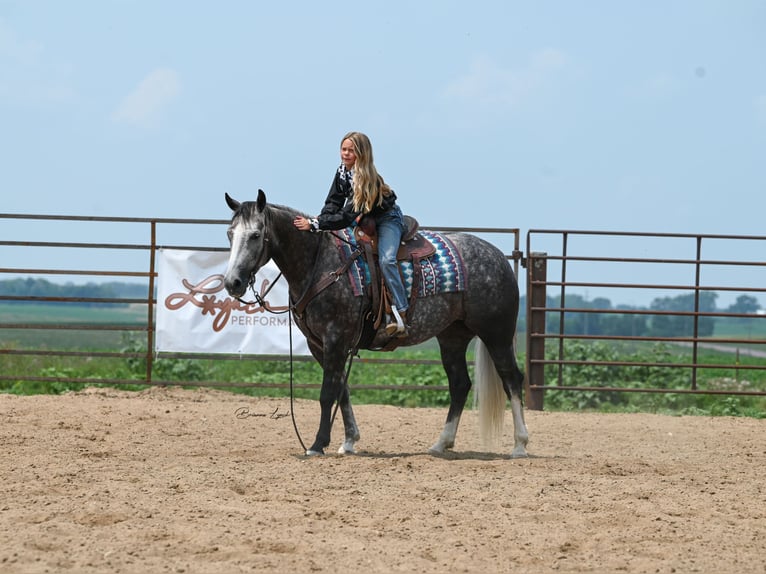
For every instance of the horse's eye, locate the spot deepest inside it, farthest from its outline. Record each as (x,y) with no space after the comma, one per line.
(229,234)
(255,235)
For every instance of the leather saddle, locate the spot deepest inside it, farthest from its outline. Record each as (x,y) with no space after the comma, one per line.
(413,248)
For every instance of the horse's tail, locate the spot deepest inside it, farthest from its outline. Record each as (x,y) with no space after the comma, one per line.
(489,395)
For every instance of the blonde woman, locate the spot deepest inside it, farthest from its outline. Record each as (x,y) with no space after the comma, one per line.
(358,190)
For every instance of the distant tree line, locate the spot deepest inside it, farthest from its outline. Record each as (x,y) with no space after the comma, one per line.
(575,323)
(630,324)
(32,287)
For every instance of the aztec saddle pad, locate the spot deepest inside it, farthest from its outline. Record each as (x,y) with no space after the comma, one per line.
(442,272)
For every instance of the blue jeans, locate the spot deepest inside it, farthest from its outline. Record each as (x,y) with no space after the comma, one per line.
(390,228)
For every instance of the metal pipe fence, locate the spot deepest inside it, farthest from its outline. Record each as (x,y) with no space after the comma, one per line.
(560,266)
(683,313)
(124,248)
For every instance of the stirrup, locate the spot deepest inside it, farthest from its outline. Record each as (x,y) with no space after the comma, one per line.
(397,326)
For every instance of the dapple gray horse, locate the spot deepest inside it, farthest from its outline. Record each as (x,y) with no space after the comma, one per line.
(333,316)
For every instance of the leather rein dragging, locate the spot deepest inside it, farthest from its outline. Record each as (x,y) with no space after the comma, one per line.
(297,309)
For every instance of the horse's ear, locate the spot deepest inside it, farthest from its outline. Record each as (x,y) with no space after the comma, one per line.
(261,202)
(232,203)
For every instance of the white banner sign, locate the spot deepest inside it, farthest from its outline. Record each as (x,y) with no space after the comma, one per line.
(196,315)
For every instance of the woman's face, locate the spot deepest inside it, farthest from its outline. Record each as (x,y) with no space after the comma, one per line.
(347,153)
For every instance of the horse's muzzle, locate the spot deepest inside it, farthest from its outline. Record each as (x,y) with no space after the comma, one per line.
(235,286)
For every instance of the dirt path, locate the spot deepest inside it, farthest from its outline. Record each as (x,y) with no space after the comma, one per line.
(171,481)
(744,351)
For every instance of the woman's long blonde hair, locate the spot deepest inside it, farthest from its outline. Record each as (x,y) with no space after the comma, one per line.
(369,187)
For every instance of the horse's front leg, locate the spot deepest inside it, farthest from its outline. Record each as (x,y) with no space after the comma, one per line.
(332,390)
(349,423)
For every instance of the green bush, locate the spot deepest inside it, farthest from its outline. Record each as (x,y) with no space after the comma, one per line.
(402,379)
(182,370)
(640,377)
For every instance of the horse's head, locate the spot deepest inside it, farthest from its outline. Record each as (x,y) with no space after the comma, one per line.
(248,237)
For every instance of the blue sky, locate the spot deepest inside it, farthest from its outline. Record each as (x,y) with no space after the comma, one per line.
(639,116)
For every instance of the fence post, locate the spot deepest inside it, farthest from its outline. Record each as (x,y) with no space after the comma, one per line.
(537,274)
(150,306)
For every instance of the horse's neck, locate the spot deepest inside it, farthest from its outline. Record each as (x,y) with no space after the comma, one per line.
(294,251)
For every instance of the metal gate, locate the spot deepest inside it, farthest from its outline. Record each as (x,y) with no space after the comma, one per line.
(562,265)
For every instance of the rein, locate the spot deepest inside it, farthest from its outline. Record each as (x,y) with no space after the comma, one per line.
(313,290)
(259,299)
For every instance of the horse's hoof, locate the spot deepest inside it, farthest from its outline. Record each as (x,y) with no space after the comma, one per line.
(347,448)
(441,446)
(310,452)
(519,452)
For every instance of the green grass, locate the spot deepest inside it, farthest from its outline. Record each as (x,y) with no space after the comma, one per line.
(73,314)
(754,328)
(224,371)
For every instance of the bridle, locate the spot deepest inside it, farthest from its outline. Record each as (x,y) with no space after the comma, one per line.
(259,299)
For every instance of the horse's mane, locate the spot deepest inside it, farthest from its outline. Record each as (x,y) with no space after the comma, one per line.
(290,210)
(248,208)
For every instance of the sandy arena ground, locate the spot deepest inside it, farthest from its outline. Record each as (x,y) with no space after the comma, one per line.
(170,480)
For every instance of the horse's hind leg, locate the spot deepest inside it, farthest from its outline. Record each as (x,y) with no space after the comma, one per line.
(351,435)
(453,345)
(513,389)
(513,381)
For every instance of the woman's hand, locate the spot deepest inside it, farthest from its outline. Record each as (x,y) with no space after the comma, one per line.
(302,223)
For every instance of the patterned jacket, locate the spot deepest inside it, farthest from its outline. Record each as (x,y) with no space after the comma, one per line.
(338,211)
